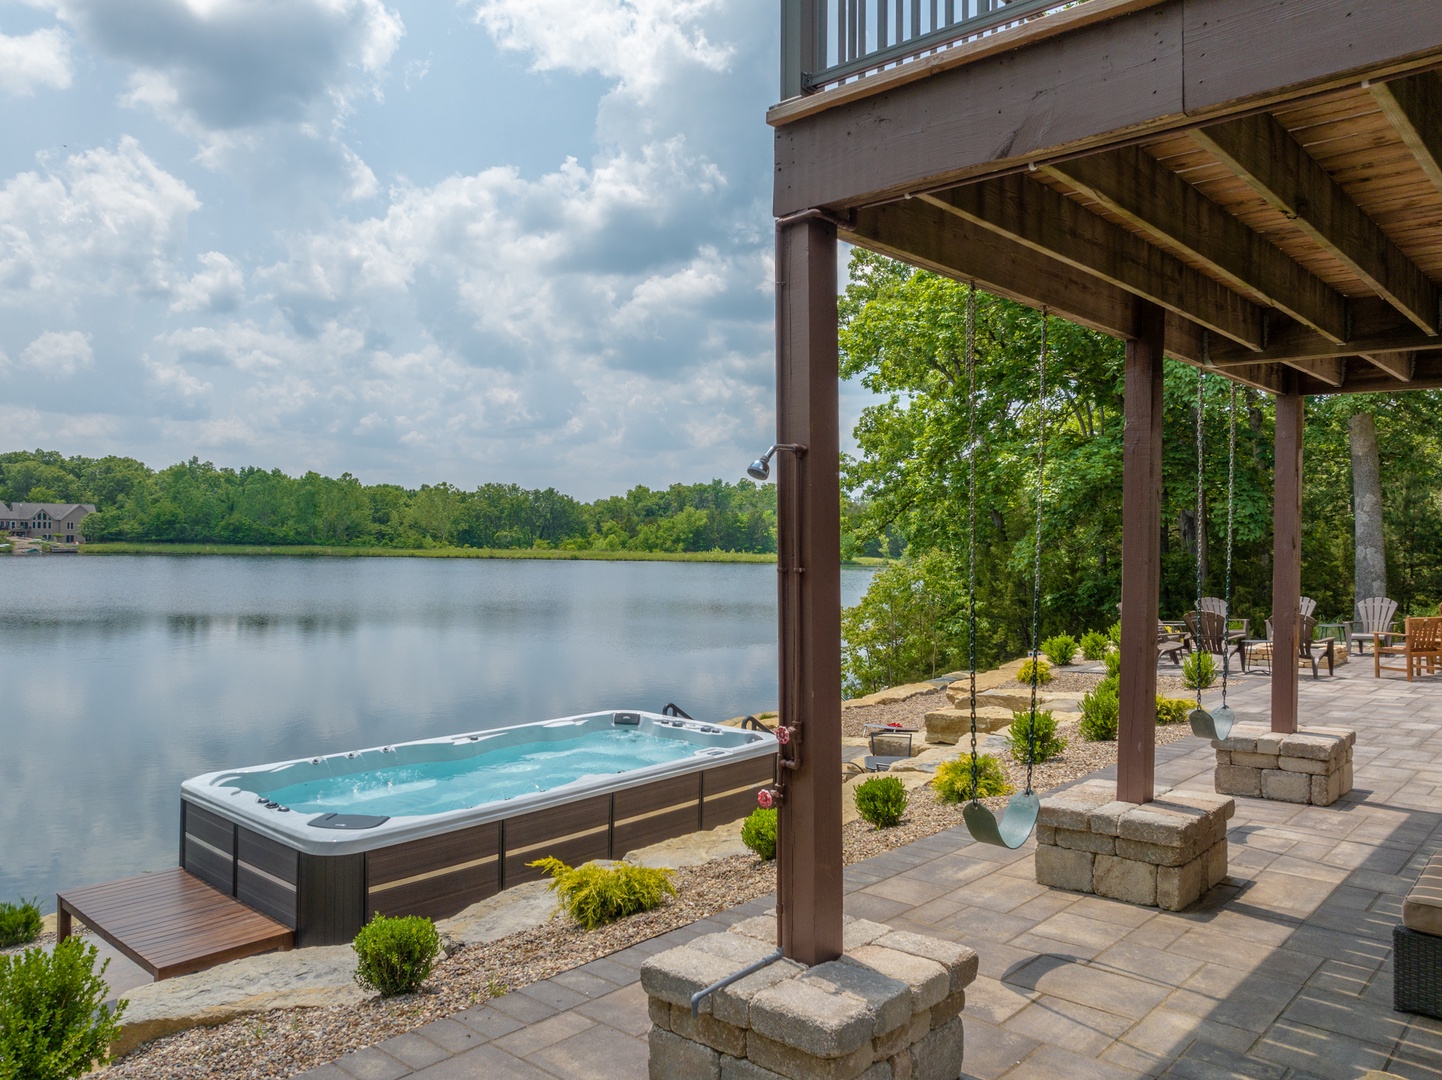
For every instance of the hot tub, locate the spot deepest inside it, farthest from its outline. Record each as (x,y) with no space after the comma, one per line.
(429,827)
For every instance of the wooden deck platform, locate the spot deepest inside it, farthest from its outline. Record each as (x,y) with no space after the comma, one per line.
(171,923)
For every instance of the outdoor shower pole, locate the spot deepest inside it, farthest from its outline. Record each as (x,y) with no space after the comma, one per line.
(808,541)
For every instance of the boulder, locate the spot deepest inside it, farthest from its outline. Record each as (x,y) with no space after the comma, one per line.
(952,725)
(518,908)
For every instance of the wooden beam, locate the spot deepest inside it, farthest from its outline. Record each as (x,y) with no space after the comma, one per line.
(1376,328)
(918,233)
(1138,188)
(1399,365)
(1413,106)
(1141,557)
(1034,215)
(808,561)
(1331,370)
(1267,156)
(1286,559)
(1364,377)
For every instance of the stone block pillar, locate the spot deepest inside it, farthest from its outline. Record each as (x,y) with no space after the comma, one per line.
(1165,853)
(888,1009)
(1312,766)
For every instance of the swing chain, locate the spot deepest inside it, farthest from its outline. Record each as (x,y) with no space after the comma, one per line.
(1036,553)
(1231,513)
(1197,538)
(971,525)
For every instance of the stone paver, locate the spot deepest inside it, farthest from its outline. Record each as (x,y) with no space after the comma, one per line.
(1282,972)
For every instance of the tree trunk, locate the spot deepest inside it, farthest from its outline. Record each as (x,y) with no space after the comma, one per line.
(1371,573)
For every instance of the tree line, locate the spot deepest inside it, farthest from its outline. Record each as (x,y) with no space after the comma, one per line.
(197,502)
(903,336)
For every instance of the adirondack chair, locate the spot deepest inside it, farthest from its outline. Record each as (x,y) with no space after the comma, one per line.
(1307,606)
(1217,604)
(1169,643)
(1310,650)
(1208,630)
(1374,619)
(1421,644)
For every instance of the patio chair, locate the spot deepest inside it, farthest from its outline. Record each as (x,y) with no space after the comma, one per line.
(1208,630)
(1306,606)
(1217,604)
(1170,643)
(1374,618)
(1307,648)
(1422,643)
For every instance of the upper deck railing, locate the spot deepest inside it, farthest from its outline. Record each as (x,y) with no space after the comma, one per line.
(828,42)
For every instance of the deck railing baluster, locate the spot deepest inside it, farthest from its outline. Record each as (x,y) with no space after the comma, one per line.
(852,41)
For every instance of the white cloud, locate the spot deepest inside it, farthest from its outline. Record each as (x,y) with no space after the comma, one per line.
(637,43)
(226,64)
(58,354)
(36,60)
(108,221)
(218,287)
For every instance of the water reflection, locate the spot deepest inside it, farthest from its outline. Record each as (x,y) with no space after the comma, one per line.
(122,676)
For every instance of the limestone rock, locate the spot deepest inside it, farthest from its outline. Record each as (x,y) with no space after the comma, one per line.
(509,912)
(692,849)
(952,725)
(300,978)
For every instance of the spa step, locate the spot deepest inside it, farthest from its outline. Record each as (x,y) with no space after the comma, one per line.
(170,922)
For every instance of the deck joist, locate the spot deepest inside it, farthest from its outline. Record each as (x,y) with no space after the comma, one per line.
(170,923)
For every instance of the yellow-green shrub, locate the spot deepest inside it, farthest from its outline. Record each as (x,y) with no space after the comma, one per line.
(1173,710)
(758,832)
(1043,672)
(594,895)
(953,779)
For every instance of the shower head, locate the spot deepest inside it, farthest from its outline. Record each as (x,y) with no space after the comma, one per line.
(760,469)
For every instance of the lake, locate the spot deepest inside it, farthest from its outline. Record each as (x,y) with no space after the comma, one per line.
(120,676)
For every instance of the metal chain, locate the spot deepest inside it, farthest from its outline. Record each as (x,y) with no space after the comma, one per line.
(971,525)
(1231,514)
(1036,554)
(1197,539)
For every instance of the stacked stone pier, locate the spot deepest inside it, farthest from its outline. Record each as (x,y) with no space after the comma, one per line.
(1165,853)
(888,1009)
(1312,766)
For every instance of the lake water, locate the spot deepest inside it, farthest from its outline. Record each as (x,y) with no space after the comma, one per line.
(121,676)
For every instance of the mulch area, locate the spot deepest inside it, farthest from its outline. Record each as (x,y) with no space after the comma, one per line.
(280,1044)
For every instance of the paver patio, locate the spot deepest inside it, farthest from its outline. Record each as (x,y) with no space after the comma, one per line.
(1281,973)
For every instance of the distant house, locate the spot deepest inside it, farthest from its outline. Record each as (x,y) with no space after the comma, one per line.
(45,521)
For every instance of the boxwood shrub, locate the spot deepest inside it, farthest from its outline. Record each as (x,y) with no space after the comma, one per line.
(395,955)
(881,801)
(758,832)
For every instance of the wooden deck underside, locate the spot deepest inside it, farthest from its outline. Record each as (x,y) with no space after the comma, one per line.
(171,923)
(1269,174)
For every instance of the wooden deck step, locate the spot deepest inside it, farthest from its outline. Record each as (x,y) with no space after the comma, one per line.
(171,923)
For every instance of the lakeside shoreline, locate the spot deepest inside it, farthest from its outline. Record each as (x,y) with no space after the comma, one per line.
(543,554)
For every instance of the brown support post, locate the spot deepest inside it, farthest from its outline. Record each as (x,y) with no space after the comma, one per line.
(1287,556)
(1141,556)
(808,563)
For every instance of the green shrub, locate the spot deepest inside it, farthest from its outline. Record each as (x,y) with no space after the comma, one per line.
(394,956)
(881,801)
(953,779)
(52,1023)
(594,895)
(20,923)
(1060,649)
(1113,661)
(1043,672)
(1100,709)
(758,832)
(1046,743)
(1199,671)
(1173,710)
(1114,633)
(1094,645)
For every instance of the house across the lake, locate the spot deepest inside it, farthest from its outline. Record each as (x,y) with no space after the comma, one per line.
(45,521)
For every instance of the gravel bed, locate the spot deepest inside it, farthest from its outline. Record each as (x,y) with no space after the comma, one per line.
(282,1043)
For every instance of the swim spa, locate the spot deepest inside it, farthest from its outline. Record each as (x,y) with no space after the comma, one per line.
(429,827)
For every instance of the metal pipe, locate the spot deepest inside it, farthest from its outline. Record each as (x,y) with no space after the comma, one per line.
(748,970)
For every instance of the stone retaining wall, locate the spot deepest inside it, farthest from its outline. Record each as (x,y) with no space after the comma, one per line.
(889,1009)
(1312,766)
(1165,853)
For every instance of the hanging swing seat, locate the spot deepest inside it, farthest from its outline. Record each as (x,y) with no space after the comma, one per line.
(1015,826)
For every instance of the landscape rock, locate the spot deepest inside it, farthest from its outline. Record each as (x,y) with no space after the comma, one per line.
(952,725)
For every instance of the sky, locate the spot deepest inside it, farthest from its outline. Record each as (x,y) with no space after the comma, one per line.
(523,241)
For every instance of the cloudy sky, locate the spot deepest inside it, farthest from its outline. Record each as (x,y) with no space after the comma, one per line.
(518,240)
